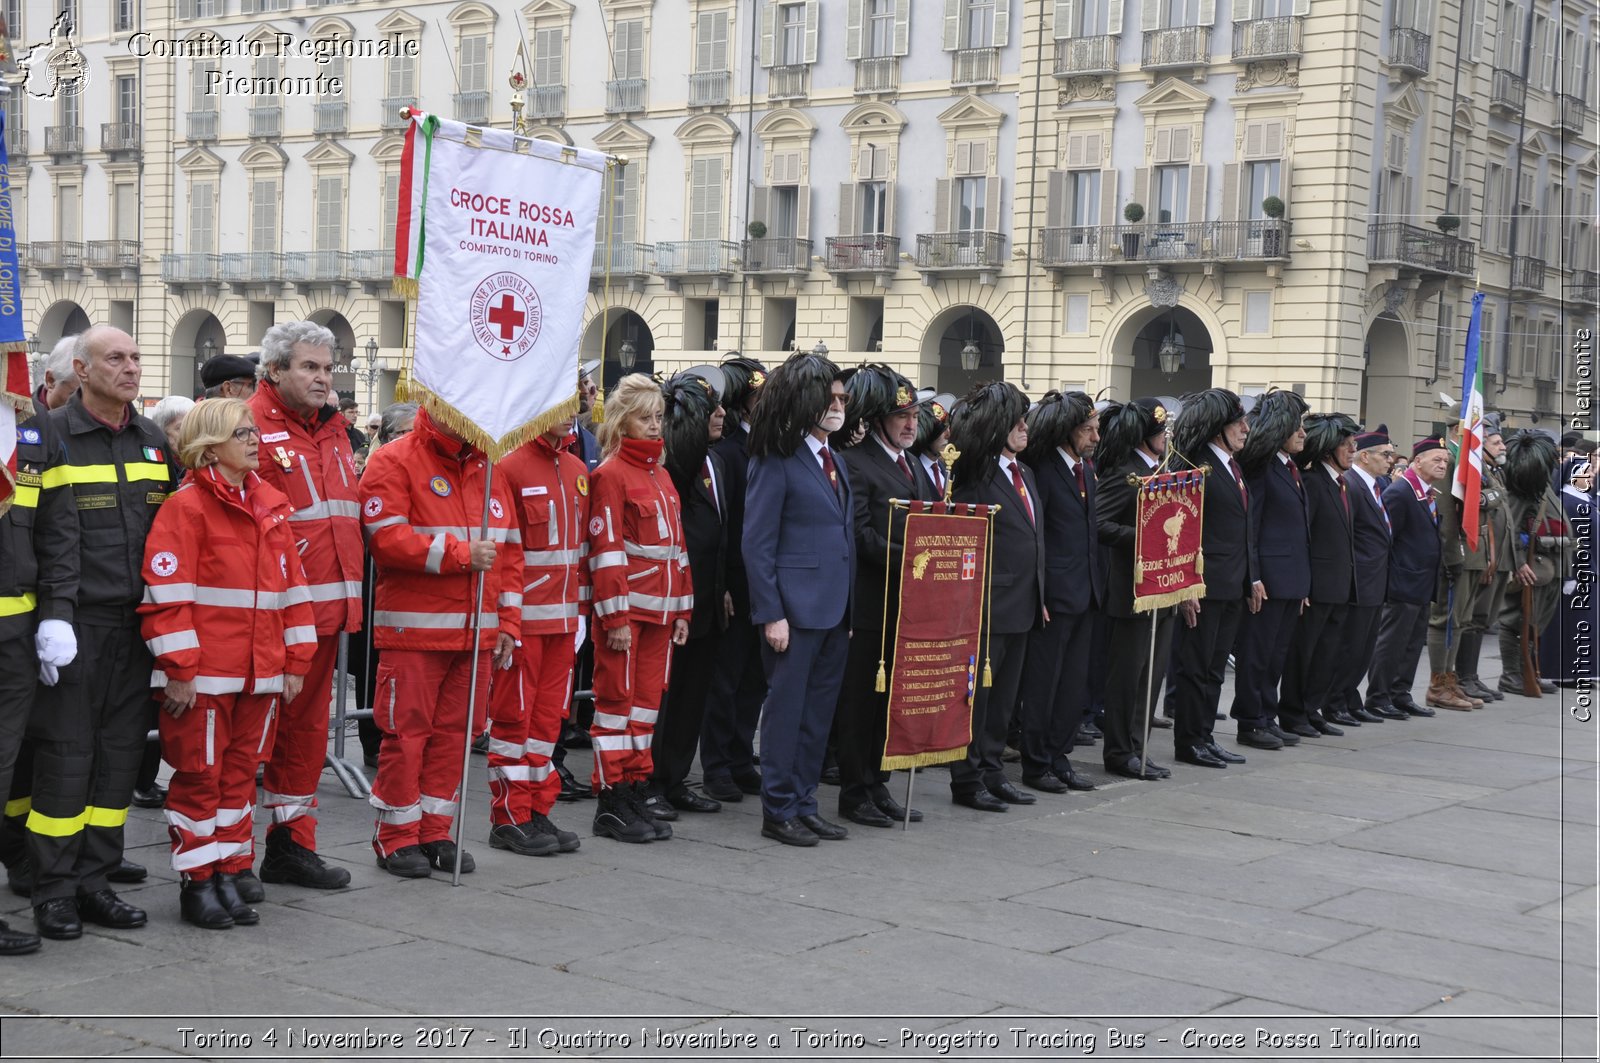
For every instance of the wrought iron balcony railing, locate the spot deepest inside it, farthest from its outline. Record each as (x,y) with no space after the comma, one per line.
(1527,274)
(1257,239)
(975,66)
(1408,49)
(50,255)
(1176,47)
(120,136)
(625,95)
(1508,91)
(1268,38)
(63,139)
(960,250)
(371,267)
(1584,287)
(1419,248)
(710,88)
(113,254)
(192,267)
(777,254)
(787,82)
(266,121)
(621,260)
(680,258)
(201,125)
(472,107)
(318,267)
(16,142)
(877,74)
(873,253)
(332,117)
(1572,114)
(547,102)
(253,267)
(1086,55)
(392,106)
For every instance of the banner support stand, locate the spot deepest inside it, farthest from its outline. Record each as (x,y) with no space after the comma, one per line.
(350,777)
(1149,694)
(472,689)
(911,781)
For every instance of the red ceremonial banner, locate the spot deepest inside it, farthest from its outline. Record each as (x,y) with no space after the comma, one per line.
(937,658)
(1168,565)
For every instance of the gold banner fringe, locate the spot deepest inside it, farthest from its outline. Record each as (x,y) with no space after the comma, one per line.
(1161,601)
(926,759)
(404,287)
(467,429)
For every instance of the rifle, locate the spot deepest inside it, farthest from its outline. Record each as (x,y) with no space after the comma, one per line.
(1530,647)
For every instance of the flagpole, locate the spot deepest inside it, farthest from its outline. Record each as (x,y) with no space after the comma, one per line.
(1149,695)
(477,657)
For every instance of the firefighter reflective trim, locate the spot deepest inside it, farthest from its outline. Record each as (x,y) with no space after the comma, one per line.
(25,497)
(178,640)
(439,621)
(640,741)
(221,597)
(610,721)
(56,826)
(63,475)
(231,849)
(611,605)
(203,828)
(538,748)
(227,817)
(585,593)
(568,611)
(512,751)
(505,535)
(168,593)
(643,715)
(613,743)
(335,591)
(327,508)
(296,636)
(551,557)
(296,595)
(434,529)
(189,859)
(653,553)
(19,604)
(435,554)
(223,684)
(18,806)
(373,525)
(519,773)
(436,806)
(285,807)
(509,600)
(393,814)
(501,748)
(607,559)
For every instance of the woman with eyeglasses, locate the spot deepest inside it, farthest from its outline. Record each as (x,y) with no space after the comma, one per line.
(228,618)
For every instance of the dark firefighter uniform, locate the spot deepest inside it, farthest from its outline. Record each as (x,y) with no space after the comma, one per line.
(100,495)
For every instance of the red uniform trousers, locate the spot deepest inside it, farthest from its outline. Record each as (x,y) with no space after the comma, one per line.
(627,698)
(289,786)
(214,749)
(526,708)
(421,706)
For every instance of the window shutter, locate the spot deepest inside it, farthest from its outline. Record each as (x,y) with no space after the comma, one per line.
(1141,189)
(1055,199)
(991,206)
(864,163)
(1076,151)
(1108,199)
(812,20)
(902,26)
(952,26)
(1274,138)
(769,18)
(1114,18)
(1162,151)
(941,205)
(1242,10)
(1404,202)
(1550,31)
(759,195)
(963,157)
(1002,22)
(1254,138)
(852,29)
(848,191)
(1475,40)
(1180,144)
(1231,207)
(888,208)
(1066,24)
(1397,151)
(1149,15)
(1286,186)
(1208,12)
(980,157)
(802,225)
(1197,192)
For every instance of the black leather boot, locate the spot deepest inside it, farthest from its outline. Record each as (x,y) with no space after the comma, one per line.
(228,894)
(202,907)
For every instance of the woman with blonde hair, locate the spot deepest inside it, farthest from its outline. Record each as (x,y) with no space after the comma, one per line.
(639,569)
(227,615)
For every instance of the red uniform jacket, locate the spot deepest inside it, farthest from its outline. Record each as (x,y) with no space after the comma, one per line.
(225,600)
(637,559)
(551,489)
(310,461)
(423,508)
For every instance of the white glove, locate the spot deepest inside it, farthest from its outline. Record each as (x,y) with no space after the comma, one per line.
(57,646)
(583,630)
(1569,588)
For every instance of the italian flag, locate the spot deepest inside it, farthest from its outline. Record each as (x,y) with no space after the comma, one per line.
(1468,483)
(16,397)
(409,226)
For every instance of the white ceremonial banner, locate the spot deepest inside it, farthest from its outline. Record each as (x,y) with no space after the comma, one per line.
(498,233)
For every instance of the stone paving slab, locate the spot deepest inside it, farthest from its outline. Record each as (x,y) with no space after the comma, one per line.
(1435,918)
(1478,838)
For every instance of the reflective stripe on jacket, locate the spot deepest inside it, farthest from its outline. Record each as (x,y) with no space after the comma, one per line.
(551,490)
(638,564)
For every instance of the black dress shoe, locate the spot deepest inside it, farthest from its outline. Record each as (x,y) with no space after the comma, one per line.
(1046,782)
(17,942)
(722,789)
(1160,722)
(1160,771)
(1547,686)
(749,782)
(1201,757)
(686,800)
(228,894)
(58,919)
(828,832)
(658,807)
(1411,708)
(1084,739)
(1130,769)
(151,797)
(105,908)
(19,877)
(249,887)
(1304,730)
(867,814)
(830,776)
(200,906)
(1226,755)
(894,809)
(1342,718)
(127,873)
(1088,727)
(571,788)
(1361,714)
(1323,726)
(1069,775)
(982,800)
(1281,735)
(1390,712)
(1257,738)
(787,831)
(1008,793)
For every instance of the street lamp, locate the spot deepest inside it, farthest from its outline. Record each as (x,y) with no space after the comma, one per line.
(1169,356)
(820,350)
(627,355)
(971,354)
(206,351)
(368,369)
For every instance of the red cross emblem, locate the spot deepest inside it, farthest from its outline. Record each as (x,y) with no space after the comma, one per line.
(507,318)
(505,314)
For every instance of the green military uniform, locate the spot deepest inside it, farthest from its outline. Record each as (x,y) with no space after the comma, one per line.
(1550,556)
(1465,573)
(1490,595)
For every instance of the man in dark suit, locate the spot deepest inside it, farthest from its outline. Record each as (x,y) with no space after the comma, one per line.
(800,558)
(1278,517)
(693,421)
(988,428)
(1309,682)
(1413,578)
(738,682)
(1372,544)
(933,433)
(881,468)
(1211,429)
(1063,431)
(1133,442)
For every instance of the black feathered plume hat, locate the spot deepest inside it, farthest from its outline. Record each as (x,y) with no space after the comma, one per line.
(1325,433)
(1530,459)
(933,417)
(1051,422)
(794,397)
(979,426)
(1277,416)
(689,401)
(744,376)
(1203,418)
(1124,427)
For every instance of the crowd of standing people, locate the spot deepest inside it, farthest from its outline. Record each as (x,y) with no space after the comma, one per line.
(715,552)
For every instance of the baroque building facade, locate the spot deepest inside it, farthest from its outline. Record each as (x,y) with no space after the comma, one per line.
(944,186)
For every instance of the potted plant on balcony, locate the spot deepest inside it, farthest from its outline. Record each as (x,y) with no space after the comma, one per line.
(1133,214)
(1272,235)
(757,231)
(1447,223)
